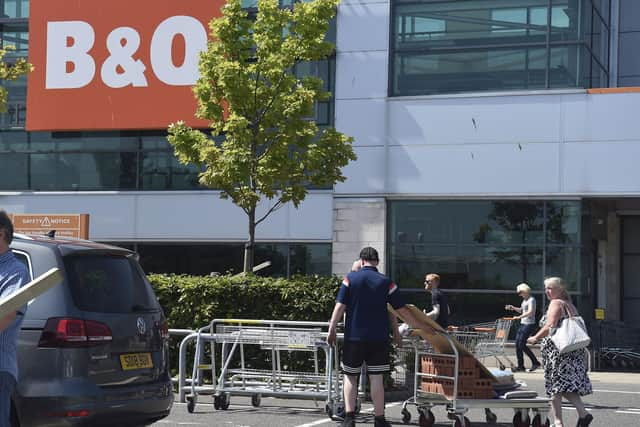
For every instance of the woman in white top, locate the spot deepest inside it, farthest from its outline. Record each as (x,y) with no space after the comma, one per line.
(527,317)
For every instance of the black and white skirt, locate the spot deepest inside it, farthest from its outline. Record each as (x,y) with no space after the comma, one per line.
(564,373)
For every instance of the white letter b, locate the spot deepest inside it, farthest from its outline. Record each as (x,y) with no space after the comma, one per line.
(59,53)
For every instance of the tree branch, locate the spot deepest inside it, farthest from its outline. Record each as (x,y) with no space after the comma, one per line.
(273,208)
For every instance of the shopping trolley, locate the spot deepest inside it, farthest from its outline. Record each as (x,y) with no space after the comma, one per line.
(486,339)
(231,373)
(454,378)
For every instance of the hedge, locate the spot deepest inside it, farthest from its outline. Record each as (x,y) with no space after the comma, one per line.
(191,302)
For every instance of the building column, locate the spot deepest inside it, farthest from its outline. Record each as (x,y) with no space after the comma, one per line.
(357,223)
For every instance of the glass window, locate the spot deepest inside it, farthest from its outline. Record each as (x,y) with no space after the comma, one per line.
(161,170)
(83,171)
(15,8)
(471,45)
(107,284)
(484,248)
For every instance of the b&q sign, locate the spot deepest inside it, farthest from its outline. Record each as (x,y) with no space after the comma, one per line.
(116,64)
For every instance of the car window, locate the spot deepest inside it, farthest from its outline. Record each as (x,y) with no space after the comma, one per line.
(22,257)
(108,284)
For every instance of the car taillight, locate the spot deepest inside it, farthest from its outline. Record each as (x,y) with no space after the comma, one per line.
(164,330)
(65,332)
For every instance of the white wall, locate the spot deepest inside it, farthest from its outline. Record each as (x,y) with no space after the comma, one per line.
(538,143)
(180,216)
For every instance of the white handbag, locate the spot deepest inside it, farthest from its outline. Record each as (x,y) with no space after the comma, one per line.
(571,334)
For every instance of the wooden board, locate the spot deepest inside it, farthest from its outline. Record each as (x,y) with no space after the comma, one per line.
(26,293)
(438,341)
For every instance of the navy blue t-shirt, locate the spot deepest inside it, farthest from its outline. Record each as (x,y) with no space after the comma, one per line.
(366,294)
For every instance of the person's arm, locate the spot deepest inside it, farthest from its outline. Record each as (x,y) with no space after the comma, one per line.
(554,313)
(338,312)
(393,324)
(413,321)
(7,320)
(435,312)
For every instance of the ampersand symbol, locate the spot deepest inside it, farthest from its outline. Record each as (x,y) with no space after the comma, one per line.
(121,55)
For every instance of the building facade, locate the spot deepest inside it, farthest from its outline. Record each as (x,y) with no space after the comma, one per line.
(496,144)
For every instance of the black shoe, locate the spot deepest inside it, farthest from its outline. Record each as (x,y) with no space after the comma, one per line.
(381,422)
(518,369)
(534,367)
(584,422)
(348,422)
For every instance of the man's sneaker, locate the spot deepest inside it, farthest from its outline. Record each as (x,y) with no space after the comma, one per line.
(534,367)
(348,421)
(518,369)
(381,422)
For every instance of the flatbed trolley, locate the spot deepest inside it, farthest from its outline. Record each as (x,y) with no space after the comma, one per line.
(529,410)
(272,337)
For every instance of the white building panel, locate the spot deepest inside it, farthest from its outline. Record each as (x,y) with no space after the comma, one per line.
(474,169)
(363,27)
(361,75)
(367,174)
(601,168)
(475,120)
(179,216)
(363,119)
(604,117)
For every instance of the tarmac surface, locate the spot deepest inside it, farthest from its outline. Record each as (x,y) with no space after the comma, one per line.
(614,403)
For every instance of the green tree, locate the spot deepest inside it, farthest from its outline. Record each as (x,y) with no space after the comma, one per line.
(249,92)
(10,71)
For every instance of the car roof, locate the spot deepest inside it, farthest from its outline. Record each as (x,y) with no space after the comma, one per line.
(68,245)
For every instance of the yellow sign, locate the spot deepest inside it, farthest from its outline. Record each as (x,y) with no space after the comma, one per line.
(75,225)
(599,314)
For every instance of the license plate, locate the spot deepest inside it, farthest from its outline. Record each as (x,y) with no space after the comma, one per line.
(136,361)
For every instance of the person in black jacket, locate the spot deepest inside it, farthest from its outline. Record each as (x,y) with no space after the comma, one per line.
(439,301)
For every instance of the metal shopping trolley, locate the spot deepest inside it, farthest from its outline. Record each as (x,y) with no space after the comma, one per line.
(228,341)
(486,339)
(452,377)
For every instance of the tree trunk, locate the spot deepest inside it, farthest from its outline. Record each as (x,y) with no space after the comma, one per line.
(249,246)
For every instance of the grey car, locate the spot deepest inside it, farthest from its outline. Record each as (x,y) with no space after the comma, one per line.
(94,349)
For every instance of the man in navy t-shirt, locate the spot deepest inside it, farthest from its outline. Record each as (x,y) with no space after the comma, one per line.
(364,295)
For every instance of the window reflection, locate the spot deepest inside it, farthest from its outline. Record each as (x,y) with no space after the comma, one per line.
(470,45)
(485,245)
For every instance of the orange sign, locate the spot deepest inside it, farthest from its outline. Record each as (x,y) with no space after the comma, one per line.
(64,225)
(116,64)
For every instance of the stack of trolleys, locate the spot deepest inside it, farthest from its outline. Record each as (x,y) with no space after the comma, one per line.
(486,339)
(232,374)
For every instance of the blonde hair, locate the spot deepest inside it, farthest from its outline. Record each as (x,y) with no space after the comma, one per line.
(557,283)
(433,276)
(523,287)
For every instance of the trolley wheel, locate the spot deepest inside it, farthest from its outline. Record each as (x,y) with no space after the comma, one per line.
(255,400)
(490,416)
(519,421)
(225,401)
(537,421)
(427,419)
(191,404)
(459,423)
(502,367)
(216,402)
(406,416)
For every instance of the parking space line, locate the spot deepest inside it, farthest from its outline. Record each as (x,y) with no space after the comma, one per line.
(616,391)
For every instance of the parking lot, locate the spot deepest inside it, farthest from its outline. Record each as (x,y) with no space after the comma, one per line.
(615,403)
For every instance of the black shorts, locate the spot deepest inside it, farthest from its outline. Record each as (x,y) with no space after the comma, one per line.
(374,353)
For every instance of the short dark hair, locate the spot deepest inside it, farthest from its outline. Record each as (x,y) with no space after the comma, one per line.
(7,225)
(369,254)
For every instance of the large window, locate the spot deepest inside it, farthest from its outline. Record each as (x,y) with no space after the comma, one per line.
(287,259)
(492,45)
(483,249)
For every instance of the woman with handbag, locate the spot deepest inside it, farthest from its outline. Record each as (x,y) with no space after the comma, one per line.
(565,372)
